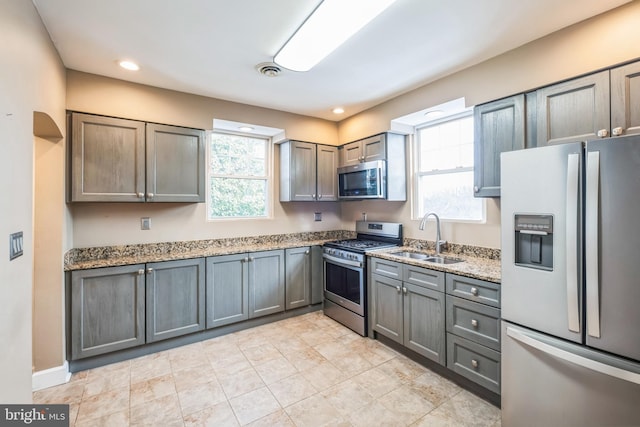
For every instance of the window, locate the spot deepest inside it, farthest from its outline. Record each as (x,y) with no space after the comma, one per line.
(238,176)
(444,177)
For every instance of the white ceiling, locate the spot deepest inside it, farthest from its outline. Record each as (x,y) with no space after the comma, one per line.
(211,47)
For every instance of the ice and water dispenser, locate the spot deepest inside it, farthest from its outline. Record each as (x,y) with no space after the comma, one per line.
(534,241)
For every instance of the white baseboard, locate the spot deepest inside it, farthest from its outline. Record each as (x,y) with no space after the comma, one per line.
(50,377)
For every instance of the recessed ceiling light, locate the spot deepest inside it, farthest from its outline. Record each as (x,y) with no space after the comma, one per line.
(129,65)
(246,128)
(433,114)
(338,110)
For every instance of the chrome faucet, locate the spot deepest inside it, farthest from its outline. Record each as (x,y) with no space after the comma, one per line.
(439,242)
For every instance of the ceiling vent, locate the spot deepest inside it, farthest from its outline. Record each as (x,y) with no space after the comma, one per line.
(269,69)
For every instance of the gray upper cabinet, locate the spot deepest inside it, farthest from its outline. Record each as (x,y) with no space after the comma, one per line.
(175,164)
(298,277)
(308,172)
(227,289)
(364,150)
(118,160)
(499,126)
(175,298)
(107,159)
(107,310)
(575,110)
(266,283)
(625,99)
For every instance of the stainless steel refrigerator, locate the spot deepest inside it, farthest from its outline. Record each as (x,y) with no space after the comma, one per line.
(571,284)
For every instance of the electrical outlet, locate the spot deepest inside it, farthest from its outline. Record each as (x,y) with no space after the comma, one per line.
(15,245)
(317,216)
(145,223)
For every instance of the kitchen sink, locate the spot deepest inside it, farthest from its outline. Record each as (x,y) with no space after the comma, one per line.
(427,257)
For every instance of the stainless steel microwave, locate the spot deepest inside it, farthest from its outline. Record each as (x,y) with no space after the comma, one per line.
(363,181)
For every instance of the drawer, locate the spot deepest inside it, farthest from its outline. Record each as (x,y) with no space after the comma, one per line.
(386,268)
(424,277)
(476,322)
(474,362)
(474,289)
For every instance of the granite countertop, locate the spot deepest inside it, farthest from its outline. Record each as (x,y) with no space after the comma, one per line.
(474,265)
(111,256)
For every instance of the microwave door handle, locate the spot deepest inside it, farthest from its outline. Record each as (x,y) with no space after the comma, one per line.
(571,253)
(592,243)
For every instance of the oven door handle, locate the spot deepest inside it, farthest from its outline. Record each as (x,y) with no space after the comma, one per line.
(341,261)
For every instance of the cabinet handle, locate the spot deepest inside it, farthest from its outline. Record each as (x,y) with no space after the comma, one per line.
(149,270)
(476,189)
(251,259)
(398,289)
(603,133)
(306,252)
(140,195)
(474,292)
(474,323)
(245,259)
(150,195)
(474,363)
(141,272)
(313,196)
(617,131)
(319,196)
(404,290)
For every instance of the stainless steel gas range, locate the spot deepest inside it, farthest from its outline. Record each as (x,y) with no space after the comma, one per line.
(345,271)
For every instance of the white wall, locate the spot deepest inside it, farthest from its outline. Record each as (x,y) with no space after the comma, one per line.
(31,79)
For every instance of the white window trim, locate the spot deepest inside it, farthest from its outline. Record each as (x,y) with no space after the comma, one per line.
(416,175)
(269,177)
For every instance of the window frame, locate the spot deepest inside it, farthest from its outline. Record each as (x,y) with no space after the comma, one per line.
(269,177)
(417,174)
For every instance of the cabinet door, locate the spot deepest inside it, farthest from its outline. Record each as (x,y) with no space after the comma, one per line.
(573,111)
(227,290)
(266,283)
(327,184)
(387,307)
(175,298)
(351,154)
(107,310)
(424,322)
(298,277)
(625,99)
(317,275)
(107,159)
(303,171)
(175,164)
(374,148)
(499,126)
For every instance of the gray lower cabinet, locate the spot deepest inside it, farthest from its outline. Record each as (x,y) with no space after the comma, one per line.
(120,160)
(298,277)
(227,289)
(499,126)
(410,311)
(317,275)
(107,310)
(244,286)
(473,330)
(175,298)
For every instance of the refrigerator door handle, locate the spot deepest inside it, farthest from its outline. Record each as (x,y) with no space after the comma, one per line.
(592,243)
(572,203)
(573,358)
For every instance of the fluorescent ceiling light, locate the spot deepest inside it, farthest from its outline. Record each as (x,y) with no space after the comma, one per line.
(330,25)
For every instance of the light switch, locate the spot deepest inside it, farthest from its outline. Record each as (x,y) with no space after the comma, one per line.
(145,223)
(15,245)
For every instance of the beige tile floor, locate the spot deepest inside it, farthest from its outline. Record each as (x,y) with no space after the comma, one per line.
(303,371)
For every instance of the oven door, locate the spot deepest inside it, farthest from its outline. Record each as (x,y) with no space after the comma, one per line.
(344,283)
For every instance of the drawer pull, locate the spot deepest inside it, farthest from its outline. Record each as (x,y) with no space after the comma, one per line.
(474,323)
(474,291)
(474,363)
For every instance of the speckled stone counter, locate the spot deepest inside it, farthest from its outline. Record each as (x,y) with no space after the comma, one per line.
(109,256)
(478,263)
